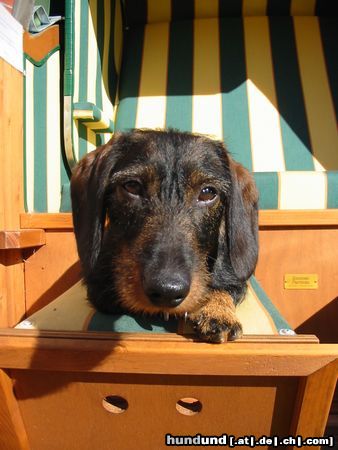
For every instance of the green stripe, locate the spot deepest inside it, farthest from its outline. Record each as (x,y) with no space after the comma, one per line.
(131,323)
(24,79)
(99,31)
(130,79)
(82,132)
(135,12)
(329,34)
(326,8)
(279,321)
(267,184)
(332,187)
(40,138)
(278,7)
(182,10)
(112,70)
(83,75)
(180,76)
(232,8)
(294,126)
(235,119)
(69,53)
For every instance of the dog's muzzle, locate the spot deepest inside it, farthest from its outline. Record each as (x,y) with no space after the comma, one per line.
(167,289)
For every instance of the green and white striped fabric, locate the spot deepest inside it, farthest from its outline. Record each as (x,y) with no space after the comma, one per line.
(261,75)
(45,171)
(96,53)
(266,86)
(71,311)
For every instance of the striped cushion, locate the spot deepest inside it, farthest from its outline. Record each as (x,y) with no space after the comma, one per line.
(277,115)
(96,52)
(44,167)
(72,312)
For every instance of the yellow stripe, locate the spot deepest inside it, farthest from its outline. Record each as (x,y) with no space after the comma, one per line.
(317,96)
(91,140)
(205,9)
(77,13)
(30,135)
(265,132)
(53,134)
(252,307)
(303,190)
(92,52)
(118,36)
(159,11)
(75,133)
(83,114)
(303,7)
(254,7)
(207,101)
(107,107)
(151,108)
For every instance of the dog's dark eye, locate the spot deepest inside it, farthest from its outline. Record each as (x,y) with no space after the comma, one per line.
(207,194)
(133,187)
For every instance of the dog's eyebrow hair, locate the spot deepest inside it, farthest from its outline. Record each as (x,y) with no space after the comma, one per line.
(131,171)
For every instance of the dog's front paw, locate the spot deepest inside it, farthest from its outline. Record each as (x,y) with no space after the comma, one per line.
(218,330)
(216,321)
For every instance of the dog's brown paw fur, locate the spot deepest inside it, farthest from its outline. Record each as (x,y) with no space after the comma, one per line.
(216,321)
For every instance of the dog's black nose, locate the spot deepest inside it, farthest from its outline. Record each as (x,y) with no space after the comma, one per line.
(167,291)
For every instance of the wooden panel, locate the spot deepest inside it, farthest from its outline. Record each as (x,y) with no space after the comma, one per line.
(302,251)
(12,301)
(123,355)
(21,239)
(51,270)
(227,405)
(267,218)
(12,432)
(46,221)
(316,394)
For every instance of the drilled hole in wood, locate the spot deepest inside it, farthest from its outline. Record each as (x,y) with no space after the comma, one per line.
(189,406)
(115,404)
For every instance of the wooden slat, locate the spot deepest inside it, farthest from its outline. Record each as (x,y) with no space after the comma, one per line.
(267,218)
(316,394)
(47,221)
(327,217)
(22,239)
(38,45)
(12,295)
(12,432)
(163,357)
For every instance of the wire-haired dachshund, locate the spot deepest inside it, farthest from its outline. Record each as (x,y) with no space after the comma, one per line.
(166,222)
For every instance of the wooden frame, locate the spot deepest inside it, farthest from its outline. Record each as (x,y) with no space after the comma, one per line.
(82,369)
(52,384)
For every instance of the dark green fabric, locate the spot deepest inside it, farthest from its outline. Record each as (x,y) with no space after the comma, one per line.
(156,324)
(278,319)
(180,77)
(40,138)
(294,127)
(235,115)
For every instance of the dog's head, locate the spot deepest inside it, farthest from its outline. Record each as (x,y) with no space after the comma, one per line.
(160,217)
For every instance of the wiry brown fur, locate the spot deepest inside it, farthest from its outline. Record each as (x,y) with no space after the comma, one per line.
(147,240)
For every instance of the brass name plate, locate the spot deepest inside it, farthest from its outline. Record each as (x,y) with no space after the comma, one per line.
(301,281)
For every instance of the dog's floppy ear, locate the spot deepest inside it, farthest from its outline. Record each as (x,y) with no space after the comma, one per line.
(88,186)
(242,221)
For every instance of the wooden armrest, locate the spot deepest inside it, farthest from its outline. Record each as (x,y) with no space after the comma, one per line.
(267,218)
(22,239)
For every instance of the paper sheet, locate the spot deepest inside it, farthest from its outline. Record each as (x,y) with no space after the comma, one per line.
(11,39)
